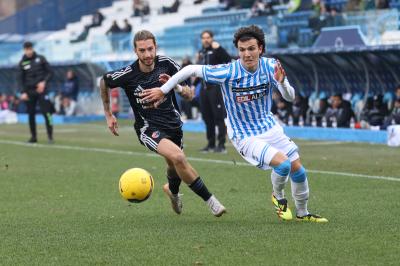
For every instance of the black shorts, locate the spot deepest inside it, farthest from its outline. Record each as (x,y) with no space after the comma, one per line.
(152,136)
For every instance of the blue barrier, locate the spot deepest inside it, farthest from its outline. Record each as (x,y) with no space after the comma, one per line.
(308,133)
(315,133)
(60,119)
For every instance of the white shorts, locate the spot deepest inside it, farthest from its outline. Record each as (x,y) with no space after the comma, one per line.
(259,150)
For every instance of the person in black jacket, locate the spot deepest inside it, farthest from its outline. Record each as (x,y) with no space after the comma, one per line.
(340,111)
(34,73)
(211,102)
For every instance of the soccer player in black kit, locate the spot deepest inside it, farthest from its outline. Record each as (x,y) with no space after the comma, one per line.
(34,73)
(160,130)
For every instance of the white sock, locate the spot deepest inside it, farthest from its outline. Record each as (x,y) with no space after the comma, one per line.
(278,184)
(300,193)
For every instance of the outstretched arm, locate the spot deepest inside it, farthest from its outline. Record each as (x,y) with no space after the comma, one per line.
(284,86)
(184,91)
(155,95)
(105,96)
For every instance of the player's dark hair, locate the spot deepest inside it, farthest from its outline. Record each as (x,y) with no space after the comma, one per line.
(207,31)
(339,95)
(143,35)
(251,32)
(27,45)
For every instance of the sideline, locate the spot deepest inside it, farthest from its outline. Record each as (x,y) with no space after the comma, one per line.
(103,150)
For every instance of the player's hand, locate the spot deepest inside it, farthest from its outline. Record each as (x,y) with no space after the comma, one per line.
(187,93)
(279,72)
(40,87)
(215,45)
(152,97)
(112,124)
(163,78)
(24,96)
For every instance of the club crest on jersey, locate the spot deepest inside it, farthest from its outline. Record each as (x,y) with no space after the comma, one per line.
(155,134)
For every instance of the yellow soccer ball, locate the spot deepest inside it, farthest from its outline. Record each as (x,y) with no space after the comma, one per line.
(136,185)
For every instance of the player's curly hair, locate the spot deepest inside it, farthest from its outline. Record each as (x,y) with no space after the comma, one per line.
(246,33)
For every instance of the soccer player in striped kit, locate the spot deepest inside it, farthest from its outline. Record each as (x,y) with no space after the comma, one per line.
(160,130)
(247,86)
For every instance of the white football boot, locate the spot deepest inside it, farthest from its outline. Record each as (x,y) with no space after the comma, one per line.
(217,209)
(176,200)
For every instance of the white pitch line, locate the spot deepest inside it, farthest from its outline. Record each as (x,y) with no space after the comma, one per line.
(104,150)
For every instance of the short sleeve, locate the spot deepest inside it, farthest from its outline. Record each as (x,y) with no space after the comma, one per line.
(117,78)
(216,74)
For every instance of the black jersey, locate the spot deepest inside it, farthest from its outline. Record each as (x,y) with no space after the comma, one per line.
(134,81)
(33,70)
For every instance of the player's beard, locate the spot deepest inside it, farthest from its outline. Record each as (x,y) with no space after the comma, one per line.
(147,61)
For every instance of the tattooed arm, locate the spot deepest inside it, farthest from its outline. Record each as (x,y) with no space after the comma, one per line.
(105,96)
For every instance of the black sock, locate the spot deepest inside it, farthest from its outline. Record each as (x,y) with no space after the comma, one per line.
(174,181)
(200,189)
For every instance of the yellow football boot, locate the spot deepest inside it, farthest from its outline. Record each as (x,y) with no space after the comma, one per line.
(315,218)
(282,209)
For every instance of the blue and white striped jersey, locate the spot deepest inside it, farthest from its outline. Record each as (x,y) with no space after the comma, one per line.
(247,96)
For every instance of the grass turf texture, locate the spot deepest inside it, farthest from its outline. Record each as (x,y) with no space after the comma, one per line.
(63,207)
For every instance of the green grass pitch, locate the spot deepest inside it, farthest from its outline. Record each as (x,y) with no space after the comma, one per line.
(60,205)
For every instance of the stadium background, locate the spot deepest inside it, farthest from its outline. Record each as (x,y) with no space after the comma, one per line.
(327,47)
(59,203)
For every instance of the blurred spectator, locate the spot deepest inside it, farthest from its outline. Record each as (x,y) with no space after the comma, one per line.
(377,113)
(112,33)
(262,7)
(140,8)
(127,27)
(97,20)
(321,113)
(394,117)
(115,102)
(354,5)
(3,101)
(334,18)
(211,101)
(340,112)
(283,111)
(317,20)
(68,107)
(299,109)
(187,107)
(114,28)
(70,88)
(66,100)
(171,9)
(227,4)
(381,4)
(258,8)
(398,92)
(16,105)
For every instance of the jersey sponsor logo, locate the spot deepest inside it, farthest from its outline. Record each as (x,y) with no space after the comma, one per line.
(26,67)
(250,97)
(120,73)
(155,134)
(247,89)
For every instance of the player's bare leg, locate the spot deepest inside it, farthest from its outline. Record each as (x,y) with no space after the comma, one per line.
(176,156)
